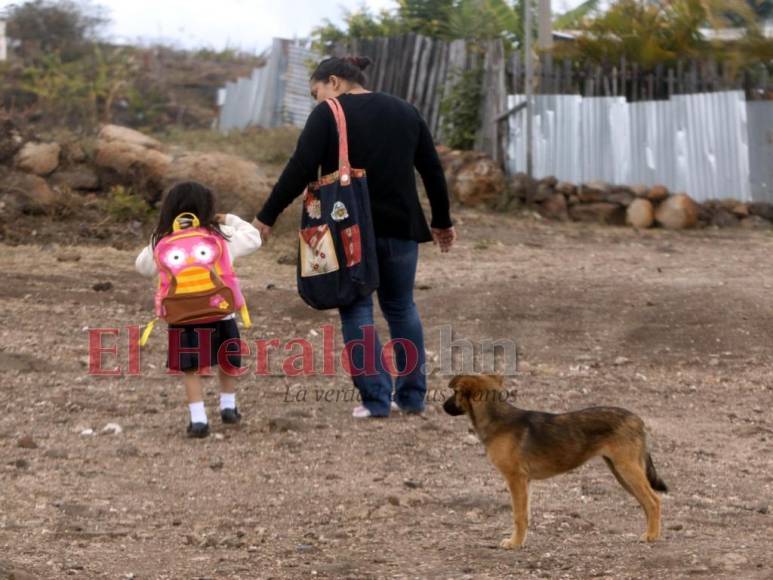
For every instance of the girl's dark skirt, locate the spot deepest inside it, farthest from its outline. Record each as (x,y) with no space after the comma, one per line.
(185,338)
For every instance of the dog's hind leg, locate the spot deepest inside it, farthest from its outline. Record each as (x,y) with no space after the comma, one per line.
(519,495)
(629,471)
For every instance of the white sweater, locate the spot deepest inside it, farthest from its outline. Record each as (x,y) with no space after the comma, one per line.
(243,239)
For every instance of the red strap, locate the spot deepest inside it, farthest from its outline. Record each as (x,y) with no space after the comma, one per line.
(344,169)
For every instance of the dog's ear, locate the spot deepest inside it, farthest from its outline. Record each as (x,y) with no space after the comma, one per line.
(498,379)
(462,383)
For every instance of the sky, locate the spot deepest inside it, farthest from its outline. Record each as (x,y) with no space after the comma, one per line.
(247,25)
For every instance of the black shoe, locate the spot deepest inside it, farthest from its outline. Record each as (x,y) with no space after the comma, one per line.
(230,416)
(198,430)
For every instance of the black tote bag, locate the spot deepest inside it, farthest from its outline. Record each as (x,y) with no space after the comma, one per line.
(337,260)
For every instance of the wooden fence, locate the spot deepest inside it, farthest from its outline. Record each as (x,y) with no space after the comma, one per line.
(563,77)
(421,70)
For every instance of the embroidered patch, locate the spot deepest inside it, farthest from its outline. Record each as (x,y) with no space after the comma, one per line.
(350,237)
(339,212)
(317,251)
(313,206)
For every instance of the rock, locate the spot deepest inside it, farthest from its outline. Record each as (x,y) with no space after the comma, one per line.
(38,158)
(112,133)
(736,207)
(216,464)
(27,442)
(27,193)
(677,212)
(621,196)
(473,177)
(588,194)
(79,177)
(412,484)
(102,286)
(73,153)
(722,218)
(56,454)
(122,162)
(755,222)
(240,185)
(394,500)
(283,424)
(87,432)
(11,139)
(761,209)
(68,256)
(657,193)
(21,464)
(566,188)
(111,429)
(555,208)
(621,360)
(522,187)
(549,181)
(601,212)
(639,190)
(640,214)
(543,192)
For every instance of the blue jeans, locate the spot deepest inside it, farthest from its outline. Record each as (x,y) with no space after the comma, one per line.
(397,260)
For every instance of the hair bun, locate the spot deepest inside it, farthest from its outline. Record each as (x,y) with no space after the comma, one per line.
(361,62)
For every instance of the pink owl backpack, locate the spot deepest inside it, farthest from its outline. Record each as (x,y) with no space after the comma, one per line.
(196,281)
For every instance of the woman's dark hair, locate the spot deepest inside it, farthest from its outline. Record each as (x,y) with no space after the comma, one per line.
(186,197)
(348,68)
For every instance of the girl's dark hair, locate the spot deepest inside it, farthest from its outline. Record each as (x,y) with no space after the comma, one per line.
(348,68)
(191,197)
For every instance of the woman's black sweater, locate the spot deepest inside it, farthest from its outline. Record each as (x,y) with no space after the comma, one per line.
(387,138)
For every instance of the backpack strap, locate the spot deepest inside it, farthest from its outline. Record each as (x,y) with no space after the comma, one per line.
(344,168)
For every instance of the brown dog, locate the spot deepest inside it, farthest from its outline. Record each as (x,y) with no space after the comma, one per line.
(526,445)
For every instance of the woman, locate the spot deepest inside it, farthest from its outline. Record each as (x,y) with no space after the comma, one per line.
(388,138)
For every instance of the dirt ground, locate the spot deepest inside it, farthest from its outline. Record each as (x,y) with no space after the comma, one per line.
(677,327)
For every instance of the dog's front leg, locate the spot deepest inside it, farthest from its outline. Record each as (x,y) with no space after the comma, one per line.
(519,495)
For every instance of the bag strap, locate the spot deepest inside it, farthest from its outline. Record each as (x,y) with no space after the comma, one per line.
(344,169)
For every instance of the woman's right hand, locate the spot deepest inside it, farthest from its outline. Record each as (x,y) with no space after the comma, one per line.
(444,238)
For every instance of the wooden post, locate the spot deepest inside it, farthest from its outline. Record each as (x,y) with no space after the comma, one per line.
(528,60)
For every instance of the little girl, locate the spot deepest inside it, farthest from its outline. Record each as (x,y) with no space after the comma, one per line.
(241,239)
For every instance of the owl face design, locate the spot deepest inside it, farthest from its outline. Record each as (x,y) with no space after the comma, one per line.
(185,254)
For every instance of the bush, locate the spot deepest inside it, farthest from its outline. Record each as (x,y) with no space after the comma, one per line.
(42,27)
(461,108)
(123,205)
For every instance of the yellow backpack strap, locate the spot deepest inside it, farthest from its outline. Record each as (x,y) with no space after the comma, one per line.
(146,333)
(245,314)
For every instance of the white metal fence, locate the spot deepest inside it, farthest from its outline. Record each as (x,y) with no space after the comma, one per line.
(3,42)
(275,94)
(698,144)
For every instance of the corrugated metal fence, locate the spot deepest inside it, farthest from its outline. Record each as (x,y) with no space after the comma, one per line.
(699,144)
(276,94)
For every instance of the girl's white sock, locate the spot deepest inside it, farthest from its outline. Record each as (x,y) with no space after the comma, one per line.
(198,414)
(227,401)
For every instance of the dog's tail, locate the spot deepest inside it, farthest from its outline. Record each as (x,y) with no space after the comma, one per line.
(652,476)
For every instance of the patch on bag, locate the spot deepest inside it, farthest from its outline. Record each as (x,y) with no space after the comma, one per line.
(339,212)
(219,302)
(318,255)
(350,237)
(313,206)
